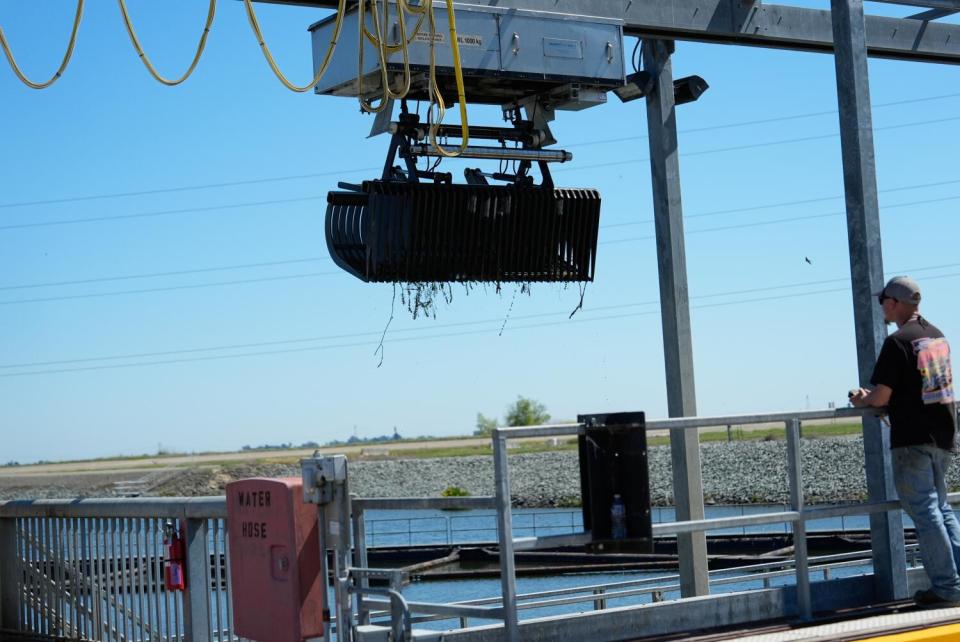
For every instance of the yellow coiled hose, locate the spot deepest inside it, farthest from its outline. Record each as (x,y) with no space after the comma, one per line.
(211,12)
(255,25)
(384,49)
(63,64)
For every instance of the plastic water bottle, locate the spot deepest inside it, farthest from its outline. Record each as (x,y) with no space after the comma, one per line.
(618,518)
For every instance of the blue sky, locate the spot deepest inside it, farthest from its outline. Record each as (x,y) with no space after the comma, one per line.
(129,365)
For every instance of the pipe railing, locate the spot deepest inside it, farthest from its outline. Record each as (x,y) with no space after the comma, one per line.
(598,594)
(797,516)
(85,567)
(94,569)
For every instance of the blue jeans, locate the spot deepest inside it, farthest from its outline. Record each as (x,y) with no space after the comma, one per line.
(919,473)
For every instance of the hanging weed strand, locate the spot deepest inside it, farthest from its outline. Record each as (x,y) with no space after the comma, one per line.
(393,304)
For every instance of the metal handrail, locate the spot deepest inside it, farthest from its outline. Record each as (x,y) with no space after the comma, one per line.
(685,423)
(599,593)
(798,516)
(211,507)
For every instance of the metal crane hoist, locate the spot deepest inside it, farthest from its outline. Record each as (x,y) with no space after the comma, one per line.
(414,224)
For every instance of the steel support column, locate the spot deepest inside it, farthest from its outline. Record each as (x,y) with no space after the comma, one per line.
(795,477)
(675,313)
(866,273)
(196,600)
(508,572)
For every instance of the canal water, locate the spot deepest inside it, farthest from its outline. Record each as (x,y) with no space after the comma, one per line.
(402,528)
(419,527)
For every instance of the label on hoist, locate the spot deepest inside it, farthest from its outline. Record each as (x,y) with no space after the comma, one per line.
(440,38)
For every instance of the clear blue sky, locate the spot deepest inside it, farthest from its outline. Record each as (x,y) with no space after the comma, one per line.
(771,331)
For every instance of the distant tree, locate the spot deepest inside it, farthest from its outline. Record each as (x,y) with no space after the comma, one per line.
(526,412)
(485,426)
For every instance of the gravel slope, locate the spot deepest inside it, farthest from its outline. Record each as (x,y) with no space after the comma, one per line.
(733,473)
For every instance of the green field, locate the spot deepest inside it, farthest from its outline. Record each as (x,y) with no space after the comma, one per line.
(736,434)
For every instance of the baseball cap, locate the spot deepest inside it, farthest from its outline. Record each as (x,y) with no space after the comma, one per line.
(901,288)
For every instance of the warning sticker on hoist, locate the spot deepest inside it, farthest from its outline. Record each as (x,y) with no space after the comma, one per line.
(440,38)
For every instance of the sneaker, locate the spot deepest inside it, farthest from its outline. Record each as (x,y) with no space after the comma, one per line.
(928,599)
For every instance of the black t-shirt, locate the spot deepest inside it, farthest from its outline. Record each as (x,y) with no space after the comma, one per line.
(915,363)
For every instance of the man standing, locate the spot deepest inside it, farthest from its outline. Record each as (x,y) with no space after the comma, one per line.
(913,379)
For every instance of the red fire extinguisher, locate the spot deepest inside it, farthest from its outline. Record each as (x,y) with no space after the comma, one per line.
(173,572)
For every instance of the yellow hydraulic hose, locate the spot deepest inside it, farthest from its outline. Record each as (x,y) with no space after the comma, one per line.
(436,97)
(63,64)
(396,46)
(146,61)
(384,49)
(362,29)
(379,41)
(255,25)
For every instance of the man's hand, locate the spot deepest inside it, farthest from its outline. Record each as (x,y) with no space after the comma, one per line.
(878,398)
(858,397)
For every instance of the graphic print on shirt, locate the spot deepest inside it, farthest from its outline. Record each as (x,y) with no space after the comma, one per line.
(933,361)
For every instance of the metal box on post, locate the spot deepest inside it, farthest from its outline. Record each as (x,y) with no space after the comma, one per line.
(613,461)
(278,588)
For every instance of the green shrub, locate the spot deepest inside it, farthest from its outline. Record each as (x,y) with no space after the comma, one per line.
(454,491)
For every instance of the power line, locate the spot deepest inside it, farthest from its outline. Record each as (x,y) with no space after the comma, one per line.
(188,210)
(376,333)
(778,221)
(171,288)
(185,188)
(422,338)
(717,150)
(321,197)
(773,143)
(275,179)
(151,275)
(633,239)
(805,201)
(764,121)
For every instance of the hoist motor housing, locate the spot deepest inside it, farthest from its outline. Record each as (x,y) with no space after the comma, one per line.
(505,55)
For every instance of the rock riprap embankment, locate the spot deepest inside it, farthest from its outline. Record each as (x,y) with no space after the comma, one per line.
(737,473)
(733,473)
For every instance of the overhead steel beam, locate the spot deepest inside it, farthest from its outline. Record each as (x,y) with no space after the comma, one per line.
(929,4)
(746,22)
(933,14)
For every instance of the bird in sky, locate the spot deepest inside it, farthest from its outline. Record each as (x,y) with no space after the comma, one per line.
(807,259)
